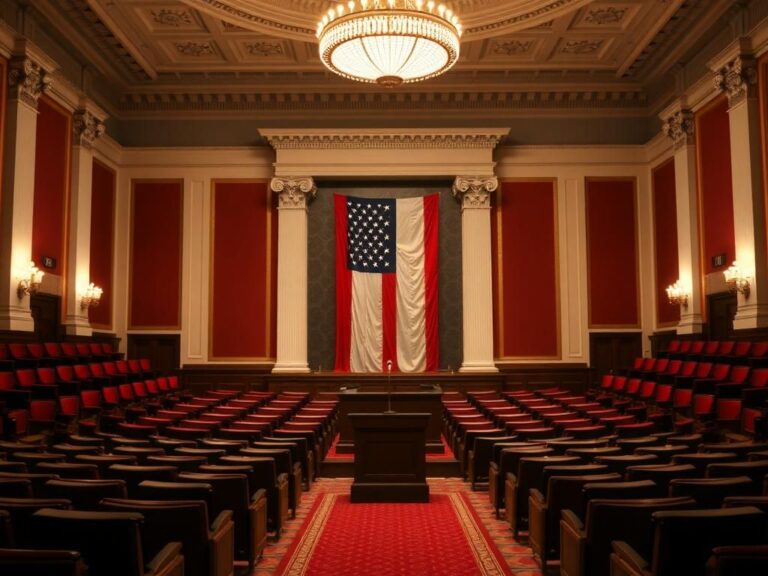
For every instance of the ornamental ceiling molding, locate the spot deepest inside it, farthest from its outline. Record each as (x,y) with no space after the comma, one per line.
(138,104)
(297,18)
(320,140)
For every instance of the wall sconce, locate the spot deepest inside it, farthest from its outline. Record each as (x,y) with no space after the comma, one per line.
(736,280)
(30,282)
(677,295)
(91,297)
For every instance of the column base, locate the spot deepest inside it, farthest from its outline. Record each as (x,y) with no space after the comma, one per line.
(750,317)
(17,319)
(690,324)
(290,368)
(478,367)
(77,326)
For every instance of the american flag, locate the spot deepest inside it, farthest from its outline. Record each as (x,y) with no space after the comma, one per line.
(386,284)
(371,237)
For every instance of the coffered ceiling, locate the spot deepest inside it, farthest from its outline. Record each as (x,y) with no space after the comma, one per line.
(167,56)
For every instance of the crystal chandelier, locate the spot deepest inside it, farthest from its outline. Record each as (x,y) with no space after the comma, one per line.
(389,42)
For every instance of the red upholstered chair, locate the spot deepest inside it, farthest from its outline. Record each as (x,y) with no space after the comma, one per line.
(110,542)
(20,355)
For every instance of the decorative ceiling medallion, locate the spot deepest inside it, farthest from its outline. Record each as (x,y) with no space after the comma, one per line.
(195,49)
(264,48)
(171,18)
(602,16)
(581,47)
(511,47)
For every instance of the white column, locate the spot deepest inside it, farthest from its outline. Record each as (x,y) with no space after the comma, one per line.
(476,282)
(294,196)
(680,128)
(26,82)
(738,79)
(86,127)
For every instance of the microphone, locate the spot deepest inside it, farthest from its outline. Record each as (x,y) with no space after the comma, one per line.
(389,388)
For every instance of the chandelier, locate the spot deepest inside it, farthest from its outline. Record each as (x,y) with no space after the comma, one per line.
(389,42)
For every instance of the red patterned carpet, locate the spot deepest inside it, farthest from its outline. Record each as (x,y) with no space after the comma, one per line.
(456,534)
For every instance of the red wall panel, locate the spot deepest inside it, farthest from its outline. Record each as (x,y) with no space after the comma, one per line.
(52,158)
(102,241)
(612,253)
(665,241)
(713,144)
(526,296)
(156,234)
(243,243)
(3,92)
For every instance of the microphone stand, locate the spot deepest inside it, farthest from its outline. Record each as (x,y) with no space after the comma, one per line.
(389,388)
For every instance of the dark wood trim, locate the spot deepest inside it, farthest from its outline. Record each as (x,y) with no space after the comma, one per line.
(200,377)
(163,350)
(609,351)
(660,340)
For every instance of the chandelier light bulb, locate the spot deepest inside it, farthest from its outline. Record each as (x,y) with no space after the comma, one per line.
(392,43)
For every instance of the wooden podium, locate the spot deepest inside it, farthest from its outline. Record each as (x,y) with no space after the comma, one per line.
(390,457)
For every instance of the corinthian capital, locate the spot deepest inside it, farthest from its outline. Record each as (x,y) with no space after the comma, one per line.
(27,80)
(474,192)
(738,79)
(680,128)
(294,193)
(86,128)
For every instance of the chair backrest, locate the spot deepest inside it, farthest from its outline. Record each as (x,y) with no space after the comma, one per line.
(663,393)
(616,491)
(65,372)
(756,470)
(184,521)
(759,349)
(673,346)
(42,562)
(7,381)
(710,492)
(759,378)
(684,539)
(697,347)
(711,347)
(26,377)
(85,494)
(69,349)
(21,509)
(82,372)
(688,368)
(46,375)
(53,349)
(110,542)
(566,493)
(135,475)
(627,520)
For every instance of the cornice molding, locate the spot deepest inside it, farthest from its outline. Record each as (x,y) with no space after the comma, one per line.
(137,104)
(387,140)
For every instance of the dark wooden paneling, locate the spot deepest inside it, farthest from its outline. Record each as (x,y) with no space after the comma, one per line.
(721,308)
(201,377)
(163,350)
(613,350)
(660,341)
(46,310)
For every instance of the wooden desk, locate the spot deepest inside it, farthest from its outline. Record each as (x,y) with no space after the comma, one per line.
(390,457)
(359,400)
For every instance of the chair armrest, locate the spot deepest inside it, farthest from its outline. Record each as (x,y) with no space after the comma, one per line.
(167,562)
(630,556)
(572,520)
(221,520)
(536,495)
(260,494)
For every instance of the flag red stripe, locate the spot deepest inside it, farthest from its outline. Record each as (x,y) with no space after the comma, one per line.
(431,279)
(343,288)
(389,320)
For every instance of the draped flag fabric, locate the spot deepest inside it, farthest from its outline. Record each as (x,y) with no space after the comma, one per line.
(386,284)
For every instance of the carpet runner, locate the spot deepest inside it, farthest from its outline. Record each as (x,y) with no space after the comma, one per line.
(443,537)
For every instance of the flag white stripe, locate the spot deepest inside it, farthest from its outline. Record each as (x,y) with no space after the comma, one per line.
(411,305)
(367,326)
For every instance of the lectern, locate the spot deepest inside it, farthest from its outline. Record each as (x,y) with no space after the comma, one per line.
(390,457)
